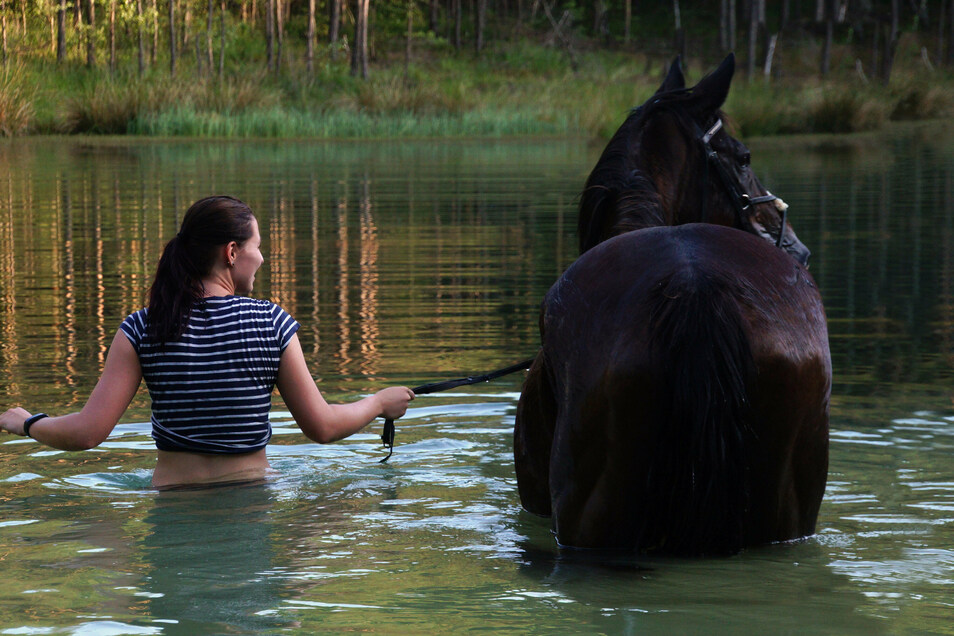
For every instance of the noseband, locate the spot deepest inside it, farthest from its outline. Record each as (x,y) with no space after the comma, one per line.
(741,200)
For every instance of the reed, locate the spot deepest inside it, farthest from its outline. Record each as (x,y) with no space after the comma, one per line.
(16,101)
(281,123)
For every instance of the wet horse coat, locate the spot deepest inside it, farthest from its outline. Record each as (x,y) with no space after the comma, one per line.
(679,402)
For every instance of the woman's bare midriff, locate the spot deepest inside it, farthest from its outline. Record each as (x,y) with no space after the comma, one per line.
(195,469)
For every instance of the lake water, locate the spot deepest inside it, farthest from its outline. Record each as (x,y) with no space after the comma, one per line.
(414,262)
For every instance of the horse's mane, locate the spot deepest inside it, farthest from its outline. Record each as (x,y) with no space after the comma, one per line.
(618,196)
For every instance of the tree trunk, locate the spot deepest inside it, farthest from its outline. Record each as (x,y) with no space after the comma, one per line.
(753,38)
(154,50)
(434,16)
(310,36)
(3,32)
(458,17)
(334,26)
(829,19)
(140,39)
(172,37)
(627,21)
(112,36)
(479,19)
(732,24)
(91,34)
(599,11)
(680,36)
(950,34)
(891,42)
(222,40)
(279,34)
(269,34)
(359,53)
(208,35)
(407,39)
(724,26)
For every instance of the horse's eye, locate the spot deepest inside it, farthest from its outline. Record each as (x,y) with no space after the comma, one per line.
(746,159)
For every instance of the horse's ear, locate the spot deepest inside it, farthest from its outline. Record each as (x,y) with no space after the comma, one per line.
(710,93)
(675,80)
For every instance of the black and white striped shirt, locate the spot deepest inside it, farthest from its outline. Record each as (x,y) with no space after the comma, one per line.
(211,388)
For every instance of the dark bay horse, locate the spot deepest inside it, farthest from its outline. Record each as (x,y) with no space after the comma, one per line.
(679,403)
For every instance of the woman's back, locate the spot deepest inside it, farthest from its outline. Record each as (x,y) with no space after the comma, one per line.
(211,387)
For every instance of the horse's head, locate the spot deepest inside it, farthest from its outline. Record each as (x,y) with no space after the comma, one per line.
(673,162)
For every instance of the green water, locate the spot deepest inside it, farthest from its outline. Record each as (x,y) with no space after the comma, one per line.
(414,262)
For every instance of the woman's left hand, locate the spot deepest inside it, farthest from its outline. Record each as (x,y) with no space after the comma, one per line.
(12,421)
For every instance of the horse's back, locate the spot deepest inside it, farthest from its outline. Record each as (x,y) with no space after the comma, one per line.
(691,368)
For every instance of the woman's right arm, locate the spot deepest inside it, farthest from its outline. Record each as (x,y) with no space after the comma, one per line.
(323,422)
(107,403)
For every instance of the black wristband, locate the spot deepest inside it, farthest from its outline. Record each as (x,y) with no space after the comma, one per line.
(30,421)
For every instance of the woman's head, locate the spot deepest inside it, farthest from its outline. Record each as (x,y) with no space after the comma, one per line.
(208,226)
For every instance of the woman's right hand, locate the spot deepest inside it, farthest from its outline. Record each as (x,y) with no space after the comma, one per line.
(394,401)
(12,420)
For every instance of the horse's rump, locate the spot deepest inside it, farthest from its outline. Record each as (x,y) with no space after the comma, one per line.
(652,340)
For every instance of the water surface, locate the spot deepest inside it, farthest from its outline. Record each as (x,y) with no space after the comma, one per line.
(413,262)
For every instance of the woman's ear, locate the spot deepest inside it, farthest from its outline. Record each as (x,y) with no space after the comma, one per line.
(229,253)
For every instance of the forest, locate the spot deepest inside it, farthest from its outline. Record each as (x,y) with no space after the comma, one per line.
(438,67)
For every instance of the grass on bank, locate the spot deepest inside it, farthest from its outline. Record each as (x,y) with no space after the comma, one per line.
(517,89)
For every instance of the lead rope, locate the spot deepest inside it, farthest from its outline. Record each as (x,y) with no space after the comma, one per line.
(387,435)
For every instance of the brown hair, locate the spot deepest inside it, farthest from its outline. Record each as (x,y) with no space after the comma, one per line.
(189,257)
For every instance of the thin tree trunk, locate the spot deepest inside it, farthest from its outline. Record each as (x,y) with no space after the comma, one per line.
(724,26)
(627,21)
(407,39)
(334,26)
(208,35)
(91,34)
(222,40)
(172,37)
(829,18)
(753,37)
(733,26)
(950,34)
(280,33)
(359,54)
(3,32)
(140,39)
(769,55)
(310,45)
(435,13)
(891,42)
(458,18)
(479,19)
(269,34)
(155,32)
(112,36)
(680,36)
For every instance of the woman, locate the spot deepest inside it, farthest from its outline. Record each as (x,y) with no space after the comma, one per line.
(211,357)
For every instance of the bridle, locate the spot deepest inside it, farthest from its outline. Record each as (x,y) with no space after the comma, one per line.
(740,199)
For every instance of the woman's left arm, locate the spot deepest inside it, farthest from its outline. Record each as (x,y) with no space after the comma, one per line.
(106,404)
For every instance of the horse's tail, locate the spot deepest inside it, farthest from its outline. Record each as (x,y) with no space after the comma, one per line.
(697,486)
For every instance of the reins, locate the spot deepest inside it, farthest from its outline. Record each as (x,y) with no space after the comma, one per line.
(387,436)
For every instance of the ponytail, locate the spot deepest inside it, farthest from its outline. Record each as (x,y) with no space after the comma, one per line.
(188,258)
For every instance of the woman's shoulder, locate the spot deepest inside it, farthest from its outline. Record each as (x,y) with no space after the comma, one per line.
(246,305)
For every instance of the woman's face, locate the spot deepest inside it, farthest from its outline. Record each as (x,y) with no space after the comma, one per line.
(248,258)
